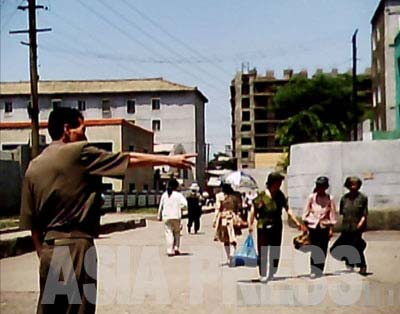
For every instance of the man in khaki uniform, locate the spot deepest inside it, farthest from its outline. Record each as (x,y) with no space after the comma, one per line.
(61,206)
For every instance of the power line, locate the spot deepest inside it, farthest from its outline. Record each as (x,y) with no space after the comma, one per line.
(173,37)
(155,39)
(4,24)
(126,34)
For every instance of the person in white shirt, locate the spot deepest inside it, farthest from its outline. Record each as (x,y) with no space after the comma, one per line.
(170,211)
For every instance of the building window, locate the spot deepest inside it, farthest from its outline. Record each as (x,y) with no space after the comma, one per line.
(156,125)
(81,105)
(246,103)
(8,107)
(131,148)
(378,66)
(145,187)
(245,128)
(378,35)
(245,154)
(55,103)
(106,105)
(246,141)
(373,43)
(132,187)
(245,115)
(29,107)
(155,104)
(130,106)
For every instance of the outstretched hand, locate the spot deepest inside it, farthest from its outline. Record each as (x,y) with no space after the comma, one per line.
(182,160)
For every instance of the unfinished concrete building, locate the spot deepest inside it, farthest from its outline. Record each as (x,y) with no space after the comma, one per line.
(255,121)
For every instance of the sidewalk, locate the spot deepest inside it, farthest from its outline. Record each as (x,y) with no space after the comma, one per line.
(19,242)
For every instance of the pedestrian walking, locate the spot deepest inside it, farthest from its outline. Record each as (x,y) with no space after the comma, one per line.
(319,216)
(194,203)
(224,220)
(354,210)
(60,204)
(170,212)
(267,210)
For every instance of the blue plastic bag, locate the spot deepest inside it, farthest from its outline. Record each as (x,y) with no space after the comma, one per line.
(246,255)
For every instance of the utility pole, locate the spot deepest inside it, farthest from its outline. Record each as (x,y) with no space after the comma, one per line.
(354,97)
(33,109)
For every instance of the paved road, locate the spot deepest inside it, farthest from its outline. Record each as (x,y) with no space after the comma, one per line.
(136,276)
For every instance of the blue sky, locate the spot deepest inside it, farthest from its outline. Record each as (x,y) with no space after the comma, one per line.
(195,43)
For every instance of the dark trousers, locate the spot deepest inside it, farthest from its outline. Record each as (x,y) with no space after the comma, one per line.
(193,218)
(68,271)
(269,249)
(353,256)
(319,238)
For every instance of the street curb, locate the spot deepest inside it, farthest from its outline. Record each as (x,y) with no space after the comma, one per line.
(22,245)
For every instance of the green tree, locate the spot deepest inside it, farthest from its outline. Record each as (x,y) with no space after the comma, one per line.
(320,109)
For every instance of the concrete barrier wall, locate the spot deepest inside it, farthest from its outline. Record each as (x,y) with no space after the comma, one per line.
(377,163)
(10,187)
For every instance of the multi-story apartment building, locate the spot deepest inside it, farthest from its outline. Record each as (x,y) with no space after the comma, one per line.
(174,112)
(385,26)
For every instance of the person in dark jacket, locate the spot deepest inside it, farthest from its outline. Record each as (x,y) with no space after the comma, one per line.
(194,208)
(354,210)
(267,209)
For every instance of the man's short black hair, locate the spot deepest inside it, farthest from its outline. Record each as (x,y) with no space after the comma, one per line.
(274,177)
(350,180)
(60,116)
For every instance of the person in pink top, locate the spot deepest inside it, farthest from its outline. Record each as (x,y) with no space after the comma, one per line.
(319,216)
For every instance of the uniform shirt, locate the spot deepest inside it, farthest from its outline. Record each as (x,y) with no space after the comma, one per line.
(62,187)
(171,205)
(353,210)
(268,210)
(314,214)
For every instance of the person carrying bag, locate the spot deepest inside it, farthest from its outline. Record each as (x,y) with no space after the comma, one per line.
(246,255)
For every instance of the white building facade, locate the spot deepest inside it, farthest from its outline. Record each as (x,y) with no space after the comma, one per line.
(174,112)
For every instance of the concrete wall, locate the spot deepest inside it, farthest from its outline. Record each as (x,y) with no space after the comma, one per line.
(377,163)
(10,187)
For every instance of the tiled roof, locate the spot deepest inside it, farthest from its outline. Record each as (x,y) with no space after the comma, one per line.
(96,86)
